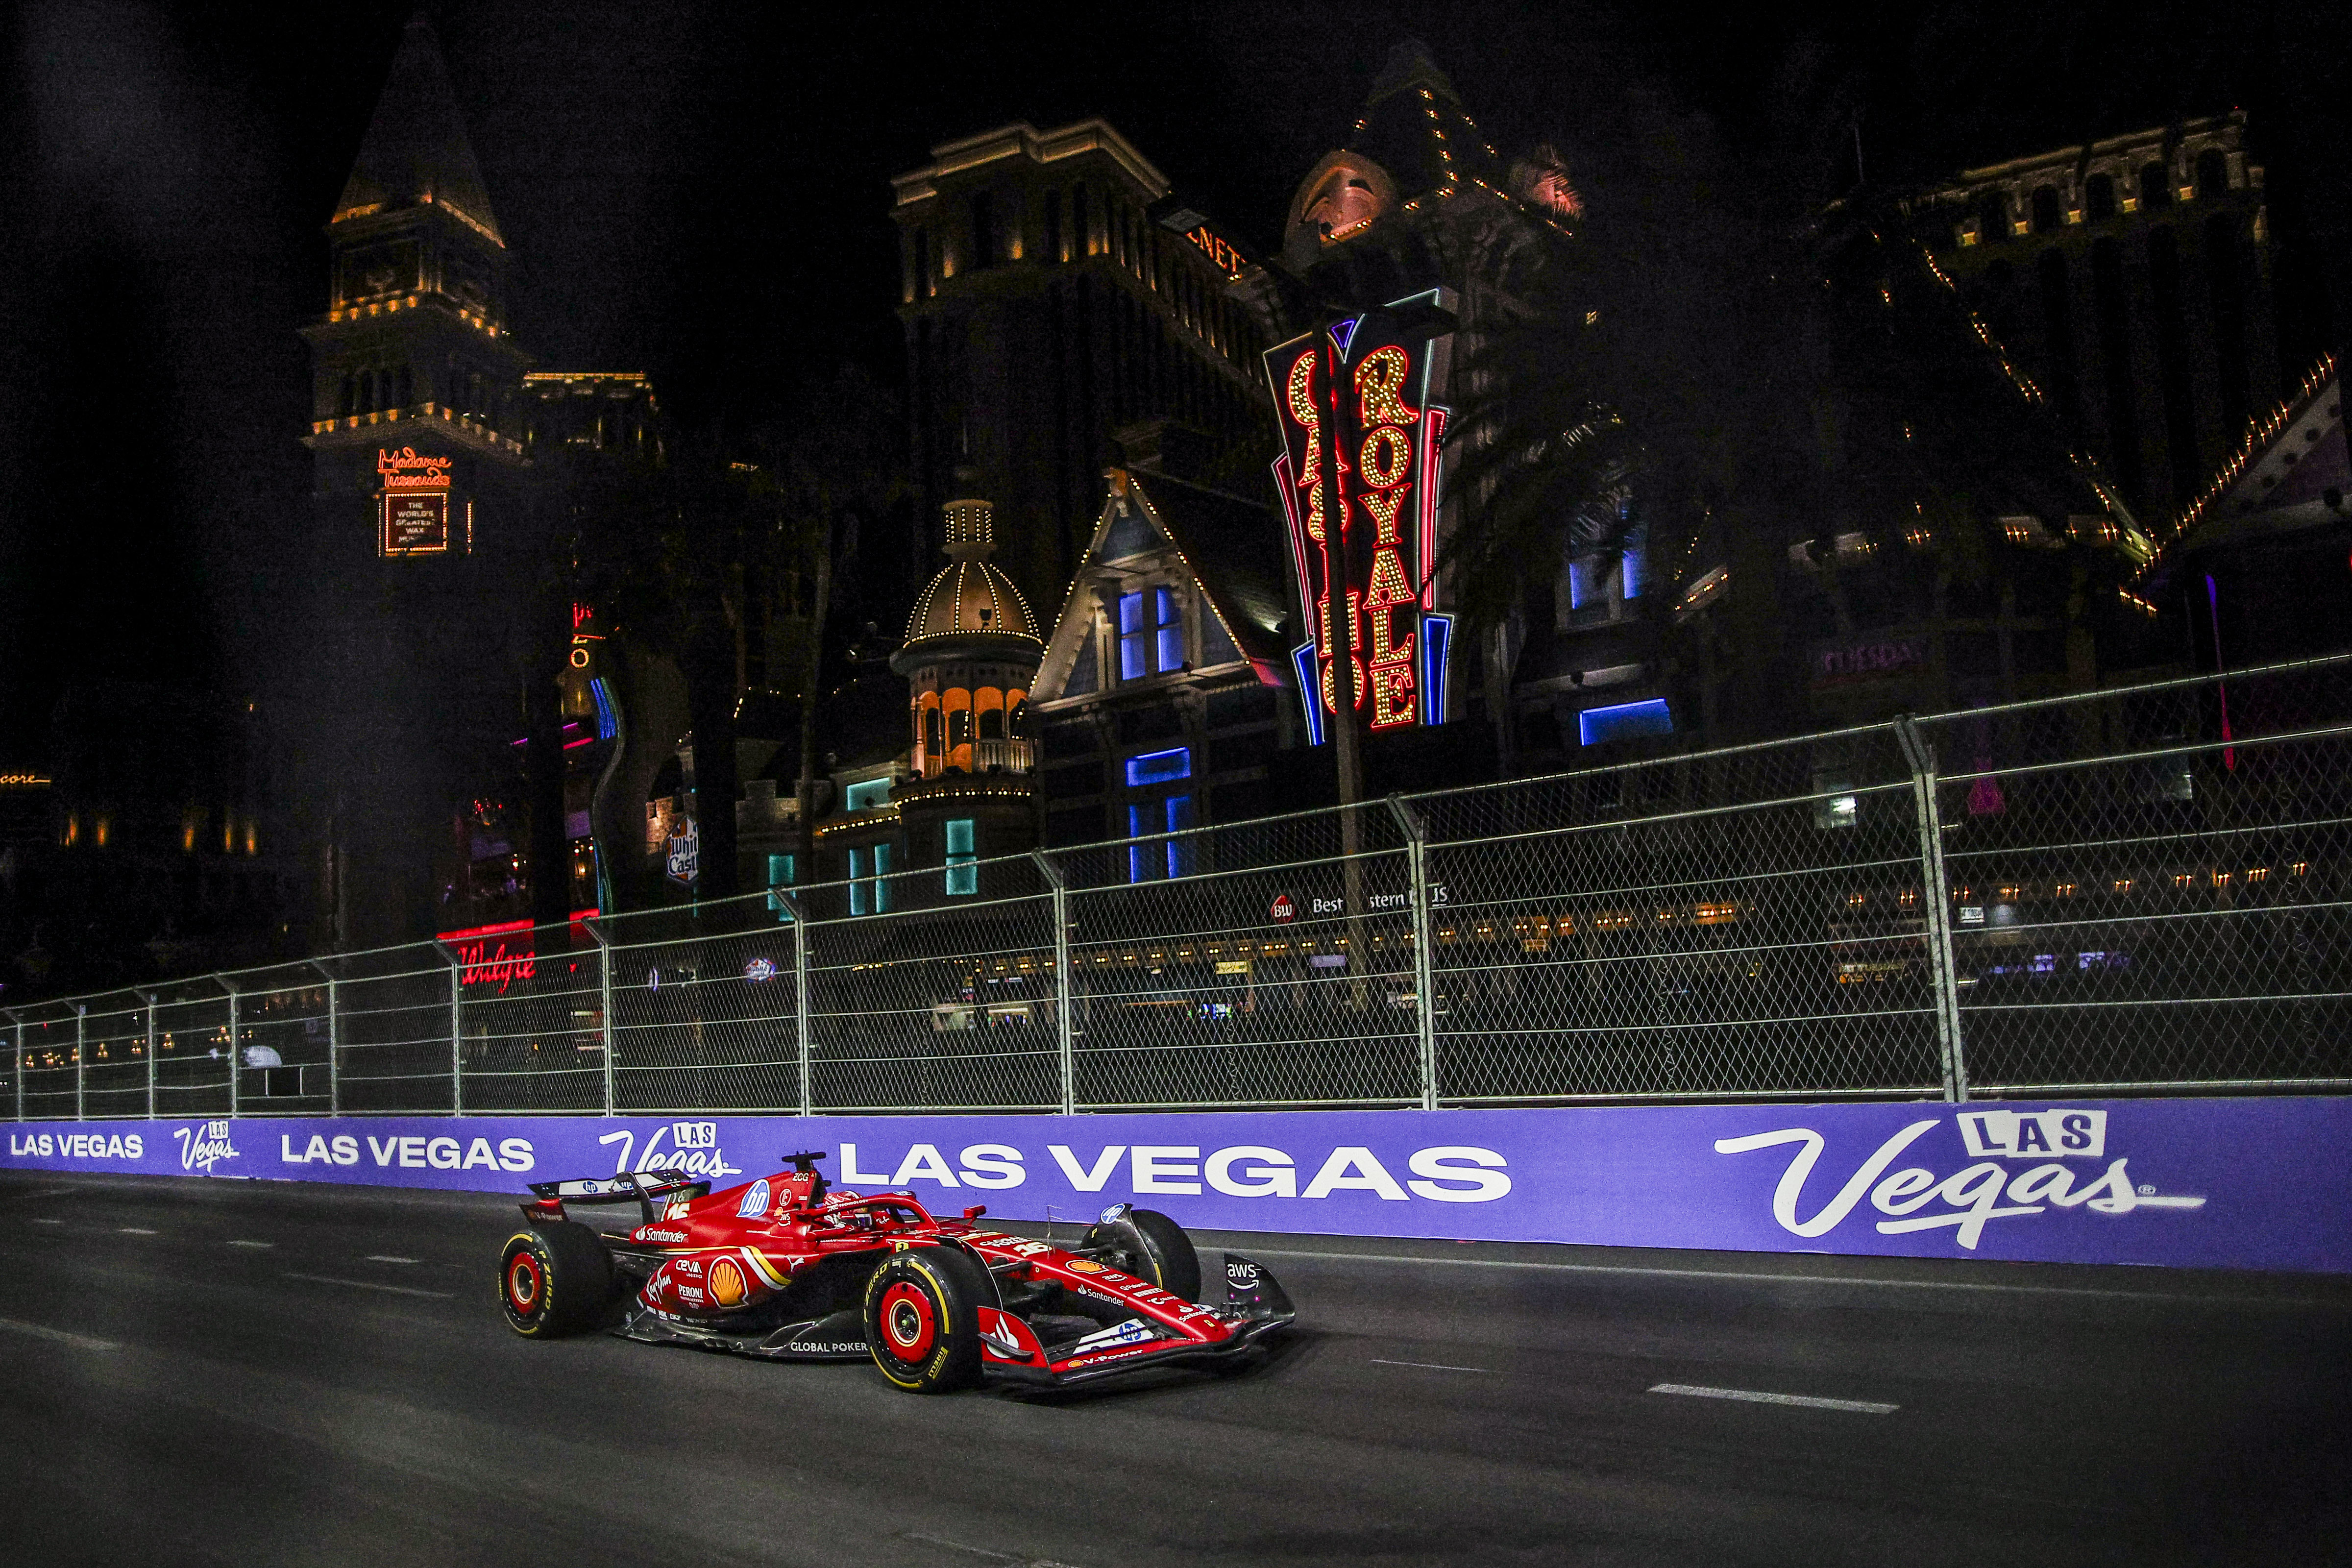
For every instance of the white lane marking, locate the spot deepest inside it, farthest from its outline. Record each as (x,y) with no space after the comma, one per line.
(133,1230)
(1018,1561)
(81,1341)
(387,1258)
(1751,1397)
(1430,1365)
(370,1285)
(49,1222)
(1756,1278)
(253,1244)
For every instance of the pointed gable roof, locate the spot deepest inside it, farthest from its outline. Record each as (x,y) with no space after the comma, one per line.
(1415,128)
(415,149)
(1232,548)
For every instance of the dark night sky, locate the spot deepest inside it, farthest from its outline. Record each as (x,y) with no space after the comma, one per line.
(700,191)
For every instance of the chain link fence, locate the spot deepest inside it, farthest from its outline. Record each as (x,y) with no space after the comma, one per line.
(2135,889)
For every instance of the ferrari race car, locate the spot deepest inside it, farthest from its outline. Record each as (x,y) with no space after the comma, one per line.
(789,1269)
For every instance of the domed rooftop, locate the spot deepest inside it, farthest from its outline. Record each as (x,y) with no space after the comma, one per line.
(970,598)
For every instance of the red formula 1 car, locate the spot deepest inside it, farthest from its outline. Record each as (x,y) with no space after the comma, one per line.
(788,1269)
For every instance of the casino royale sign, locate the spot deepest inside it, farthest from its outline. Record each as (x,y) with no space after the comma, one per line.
(1359,482)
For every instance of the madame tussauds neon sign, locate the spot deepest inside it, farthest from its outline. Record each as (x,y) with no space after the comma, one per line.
(1363,387)
(404,470)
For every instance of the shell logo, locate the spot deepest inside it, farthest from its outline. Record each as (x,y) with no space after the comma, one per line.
(727,1287)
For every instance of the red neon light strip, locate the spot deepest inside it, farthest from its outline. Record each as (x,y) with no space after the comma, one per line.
(1432,433)
(503,927)
(1282,488)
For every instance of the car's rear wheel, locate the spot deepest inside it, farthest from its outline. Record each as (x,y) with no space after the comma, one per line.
(1152,1247)
(555,1279)
(922,1318)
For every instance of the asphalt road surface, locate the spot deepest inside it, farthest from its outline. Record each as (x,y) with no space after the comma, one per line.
(250,1374)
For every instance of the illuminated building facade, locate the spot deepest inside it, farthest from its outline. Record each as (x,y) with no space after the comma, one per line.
(1159,701)
(441,462)
(969,662)
(1043,311)
(2258,568)
(2131,277)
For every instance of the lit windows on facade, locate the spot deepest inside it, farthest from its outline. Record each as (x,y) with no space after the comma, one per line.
(1160,813)
(867,794)
(780,877)
(869,880)
(1624,721)
(1151,633)
(962,857)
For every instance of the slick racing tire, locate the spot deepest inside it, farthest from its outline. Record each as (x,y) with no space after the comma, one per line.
(1152,1247)
(555,1279)
(922,1318)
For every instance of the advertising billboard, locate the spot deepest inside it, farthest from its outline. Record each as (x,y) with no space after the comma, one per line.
(2254,1182)
(412,504)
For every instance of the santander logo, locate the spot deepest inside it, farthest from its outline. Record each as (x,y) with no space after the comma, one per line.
(1918,1198)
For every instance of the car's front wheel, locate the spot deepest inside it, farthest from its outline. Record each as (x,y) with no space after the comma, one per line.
(922,1318)
(1150,1246)
(555,1279)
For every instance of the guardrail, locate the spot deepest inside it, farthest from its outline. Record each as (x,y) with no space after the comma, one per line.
(2140,888)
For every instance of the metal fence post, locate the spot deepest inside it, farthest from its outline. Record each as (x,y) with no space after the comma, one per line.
(18,1019)
(1942,972)
(234,998)
(604,1003)
(149,997)
(1425,989)
(795,912)
(456,1030)
(82,1058)
(1065,992)
(334,1040)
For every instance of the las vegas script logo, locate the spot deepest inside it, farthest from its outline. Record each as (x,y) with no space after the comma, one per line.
(1974,1195)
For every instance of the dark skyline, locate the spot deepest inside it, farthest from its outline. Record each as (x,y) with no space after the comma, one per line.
(700,192)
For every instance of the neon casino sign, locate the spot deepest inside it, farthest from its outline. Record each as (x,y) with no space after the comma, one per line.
(1363,386)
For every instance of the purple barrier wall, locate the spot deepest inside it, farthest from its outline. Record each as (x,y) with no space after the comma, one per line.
(2251,1183)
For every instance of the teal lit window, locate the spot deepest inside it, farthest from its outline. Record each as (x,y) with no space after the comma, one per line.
(869,880)
(779,875)
(872,792)
(962,859)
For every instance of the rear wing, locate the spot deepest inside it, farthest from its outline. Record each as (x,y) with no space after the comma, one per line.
(639,1187)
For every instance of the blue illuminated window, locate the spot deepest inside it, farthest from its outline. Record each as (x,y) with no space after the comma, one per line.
(962,861)
(1159,767)
(1173,856)
(1637,570)
(1595,725)
(872,792)
(1586,583)
(779,875)
(1170,629)
(1179,850)
(1134,638)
